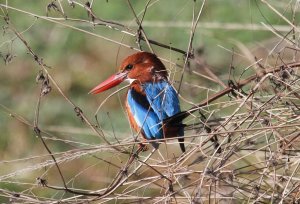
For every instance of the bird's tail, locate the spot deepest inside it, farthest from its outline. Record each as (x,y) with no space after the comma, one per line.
(176,122)
(175,130)
(181,144)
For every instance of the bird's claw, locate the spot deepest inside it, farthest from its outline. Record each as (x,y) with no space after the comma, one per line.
(143,147)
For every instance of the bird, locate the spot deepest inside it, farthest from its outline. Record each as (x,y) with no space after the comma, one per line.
(150,99)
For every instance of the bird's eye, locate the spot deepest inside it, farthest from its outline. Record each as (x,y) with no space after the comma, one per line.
(129,67)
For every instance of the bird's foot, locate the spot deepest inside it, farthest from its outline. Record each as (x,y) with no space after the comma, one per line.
(143,147)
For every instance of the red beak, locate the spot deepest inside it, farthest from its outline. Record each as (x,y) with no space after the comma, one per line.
(112,81)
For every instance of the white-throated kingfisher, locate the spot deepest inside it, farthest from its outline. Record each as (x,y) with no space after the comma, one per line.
(150,98)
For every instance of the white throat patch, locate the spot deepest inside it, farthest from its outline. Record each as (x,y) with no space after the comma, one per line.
(130,80)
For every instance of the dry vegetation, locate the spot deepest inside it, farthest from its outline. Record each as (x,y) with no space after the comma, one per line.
(242,137)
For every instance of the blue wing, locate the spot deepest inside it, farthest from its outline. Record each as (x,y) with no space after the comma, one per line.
(161,101)
(164,101)
(144,115)
(162,98)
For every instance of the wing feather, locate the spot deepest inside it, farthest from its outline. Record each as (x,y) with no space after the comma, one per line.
(162,98)
(149,111)
(144,115)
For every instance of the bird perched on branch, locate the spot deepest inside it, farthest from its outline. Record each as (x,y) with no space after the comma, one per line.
(150,99)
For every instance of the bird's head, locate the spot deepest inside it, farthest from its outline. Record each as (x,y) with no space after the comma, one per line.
(139,68)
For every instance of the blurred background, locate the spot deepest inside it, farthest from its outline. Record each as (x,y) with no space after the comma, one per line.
(79,57)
